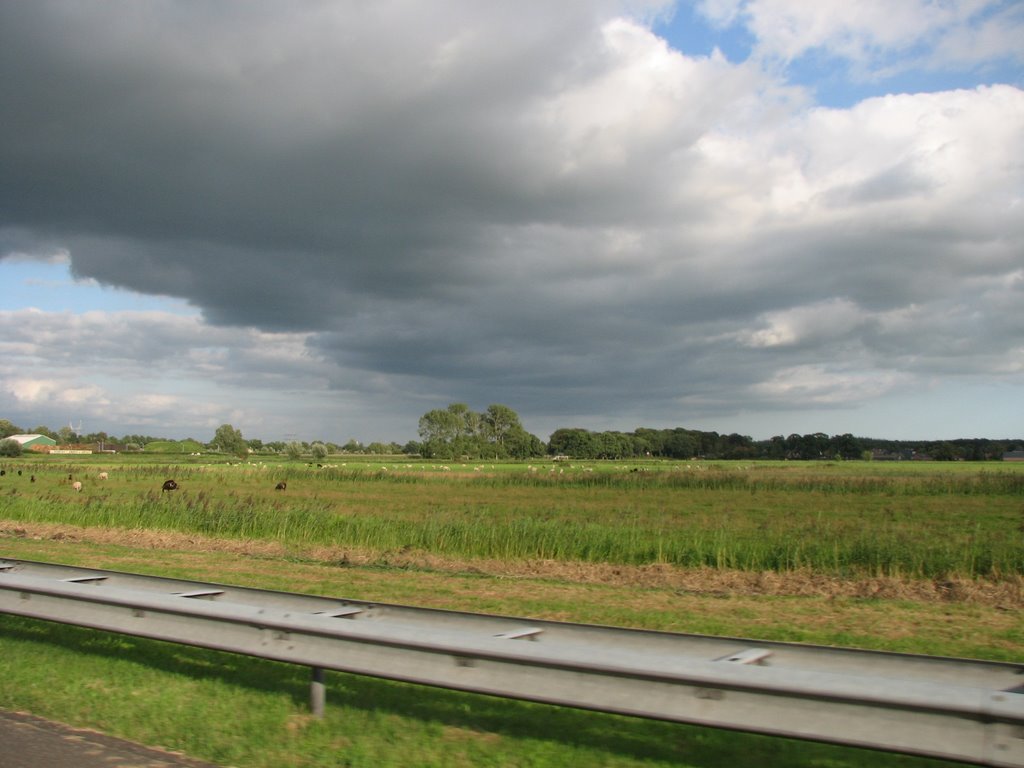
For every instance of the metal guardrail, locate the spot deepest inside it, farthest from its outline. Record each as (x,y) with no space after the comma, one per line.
(955,709)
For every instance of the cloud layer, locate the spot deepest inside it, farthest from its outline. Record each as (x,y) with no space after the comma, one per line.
(539,204)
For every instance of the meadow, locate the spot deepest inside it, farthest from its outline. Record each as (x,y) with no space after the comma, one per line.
(852,519)
(909,557)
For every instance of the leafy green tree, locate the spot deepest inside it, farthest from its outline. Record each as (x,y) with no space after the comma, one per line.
(459,431)
(229,440)
(467,440)
(293,450)
(846,446)
(318,451)
(467,421)
(520,444)
(7,429)
(775,448)
(651,441)
(10,448)
(497,422)
(439,430)
(572,441)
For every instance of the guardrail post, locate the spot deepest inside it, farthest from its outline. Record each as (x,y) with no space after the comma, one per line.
(317,692)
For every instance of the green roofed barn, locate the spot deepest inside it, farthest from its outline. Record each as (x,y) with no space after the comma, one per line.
(28,442)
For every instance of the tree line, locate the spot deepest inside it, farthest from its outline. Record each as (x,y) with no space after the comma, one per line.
(680,443)
(226,439)
(457,431)
(497,433)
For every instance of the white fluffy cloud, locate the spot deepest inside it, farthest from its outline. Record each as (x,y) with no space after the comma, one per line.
(380,209)
(933,33)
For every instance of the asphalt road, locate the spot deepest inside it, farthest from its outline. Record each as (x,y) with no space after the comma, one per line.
(27,741)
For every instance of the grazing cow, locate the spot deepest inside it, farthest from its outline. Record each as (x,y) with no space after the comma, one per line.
(76,485)
(170,485)
(103,475)
(281,486)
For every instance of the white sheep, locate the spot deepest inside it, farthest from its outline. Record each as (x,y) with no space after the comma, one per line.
(104,475)
(76,485)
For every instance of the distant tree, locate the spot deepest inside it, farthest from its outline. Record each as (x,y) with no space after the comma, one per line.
(468,427)
(681,445)
(293,450)
(67,435)
(10,448)
(458,431)
(318,451)
(572,441)
(498,421)
(520,444)
(229,440)
(7,429)
(41,430)
(651,439)
(439,430)
(846,446)
(352,446)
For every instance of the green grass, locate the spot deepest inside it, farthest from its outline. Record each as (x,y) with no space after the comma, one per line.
(235,710)
(938,523)
(174,447)
(246,712)
(846,519)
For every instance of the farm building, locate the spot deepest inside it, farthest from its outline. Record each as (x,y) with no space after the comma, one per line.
(32,441)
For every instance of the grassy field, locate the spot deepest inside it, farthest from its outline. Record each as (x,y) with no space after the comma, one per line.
(914,557)
(926,521)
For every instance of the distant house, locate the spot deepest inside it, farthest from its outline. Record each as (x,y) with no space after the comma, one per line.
(32,442)
(1013,456)
(904,454)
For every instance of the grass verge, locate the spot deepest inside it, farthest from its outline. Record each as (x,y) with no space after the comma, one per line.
(246,712)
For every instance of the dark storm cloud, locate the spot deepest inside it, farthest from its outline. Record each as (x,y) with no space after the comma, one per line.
(533,202)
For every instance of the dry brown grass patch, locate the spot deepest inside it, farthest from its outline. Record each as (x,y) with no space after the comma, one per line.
(1006,594)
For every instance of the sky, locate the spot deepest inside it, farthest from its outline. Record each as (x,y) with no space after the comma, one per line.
(320,220)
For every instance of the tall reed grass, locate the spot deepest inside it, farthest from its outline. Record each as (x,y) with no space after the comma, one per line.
(882,544)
